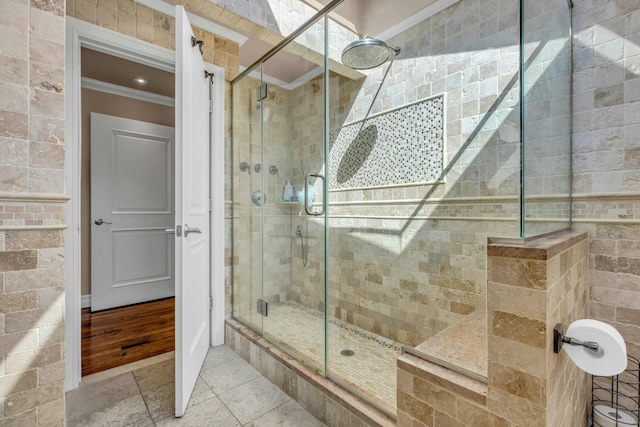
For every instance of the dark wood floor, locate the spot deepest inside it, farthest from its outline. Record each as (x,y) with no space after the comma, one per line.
(123,335)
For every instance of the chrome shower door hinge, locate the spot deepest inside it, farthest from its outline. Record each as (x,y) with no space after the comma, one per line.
(262,92)
(262,307)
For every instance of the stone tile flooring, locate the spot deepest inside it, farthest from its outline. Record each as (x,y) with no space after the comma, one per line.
(228,393)
(370,371)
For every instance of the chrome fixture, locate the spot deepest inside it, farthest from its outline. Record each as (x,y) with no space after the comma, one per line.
(308,203)
(244,167)
(188,230)
(367,53)
(267,113)
(101,221)
(257,167)
(302,244)
(559,338)
(258,198)
(176,231)
(273,170)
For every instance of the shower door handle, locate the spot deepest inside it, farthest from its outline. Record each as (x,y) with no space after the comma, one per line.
(306,194)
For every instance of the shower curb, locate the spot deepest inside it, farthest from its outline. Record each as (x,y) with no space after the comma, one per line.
(324,399)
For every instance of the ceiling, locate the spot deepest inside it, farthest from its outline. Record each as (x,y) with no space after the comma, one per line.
(373,17)
(110,69)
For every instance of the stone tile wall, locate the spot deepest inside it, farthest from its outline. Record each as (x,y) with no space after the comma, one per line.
(32,213)
(408,261)
(531,287)
(606,164)
(547,120)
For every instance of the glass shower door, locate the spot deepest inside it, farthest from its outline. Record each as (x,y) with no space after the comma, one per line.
(247,210)
(291,107)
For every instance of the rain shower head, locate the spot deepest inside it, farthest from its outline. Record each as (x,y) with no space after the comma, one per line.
(367,53)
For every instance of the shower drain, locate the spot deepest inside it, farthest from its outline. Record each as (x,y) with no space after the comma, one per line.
(347,353)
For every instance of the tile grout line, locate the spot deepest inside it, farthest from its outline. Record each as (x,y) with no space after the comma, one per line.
(222,402)
(153,423)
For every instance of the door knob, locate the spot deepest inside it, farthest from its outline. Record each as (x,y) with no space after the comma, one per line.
(101,221)
(188,230)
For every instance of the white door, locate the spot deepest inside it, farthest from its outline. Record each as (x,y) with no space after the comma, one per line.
(131,206)
(192,211)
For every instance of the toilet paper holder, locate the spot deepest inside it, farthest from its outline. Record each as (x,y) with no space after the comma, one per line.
(559,338)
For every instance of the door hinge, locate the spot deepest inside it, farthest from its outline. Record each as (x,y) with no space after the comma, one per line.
(195,42)
(210,303)
(210,106)
(262,92)
(262,307)
(210,205)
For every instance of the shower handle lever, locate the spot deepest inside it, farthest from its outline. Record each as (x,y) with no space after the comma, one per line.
(306,194)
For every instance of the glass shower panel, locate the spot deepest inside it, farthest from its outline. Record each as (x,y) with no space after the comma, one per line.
(293,169)
(247,214)
(546,38)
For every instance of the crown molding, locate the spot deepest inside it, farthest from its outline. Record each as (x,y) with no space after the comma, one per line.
(100,86)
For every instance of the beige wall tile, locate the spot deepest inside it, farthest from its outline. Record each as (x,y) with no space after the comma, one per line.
(18,301)
(15,98)
(517,272)
(13,125)
(18,260)
(14,178)
(517,328)
(26,400)
(16,383)
(518,383)
(22,361)
(35,239)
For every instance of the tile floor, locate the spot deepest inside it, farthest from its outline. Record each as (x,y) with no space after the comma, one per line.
(229,393)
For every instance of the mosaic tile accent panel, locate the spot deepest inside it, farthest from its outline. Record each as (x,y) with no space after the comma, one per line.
(401,146)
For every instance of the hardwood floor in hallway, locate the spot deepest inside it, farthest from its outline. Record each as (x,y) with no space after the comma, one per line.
(123,335)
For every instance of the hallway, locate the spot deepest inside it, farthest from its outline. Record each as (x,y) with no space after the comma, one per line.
(228,393)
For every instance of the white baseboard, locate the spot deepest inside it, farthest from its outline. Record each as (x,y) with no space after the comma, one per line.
(85,301)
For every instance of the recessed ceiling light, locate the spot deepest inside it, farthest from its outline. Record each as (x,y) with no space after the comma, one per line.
(140,81)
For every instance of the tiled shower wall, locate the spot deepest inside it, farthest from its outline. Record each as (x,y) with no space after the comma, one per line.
(606,159)
(408,261)
(547,109)
(32,213)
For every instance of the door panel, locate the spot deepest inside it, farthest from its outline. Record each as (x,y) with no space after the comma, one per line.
(139,171)
(132,193)
(153,242)
(192,211)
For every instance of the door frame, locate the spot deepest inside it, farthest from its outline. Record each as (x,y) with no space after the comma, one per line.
(83,34)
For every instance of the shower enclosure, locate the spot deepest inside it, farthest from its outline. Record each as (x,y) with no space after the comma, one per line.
(401,174)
